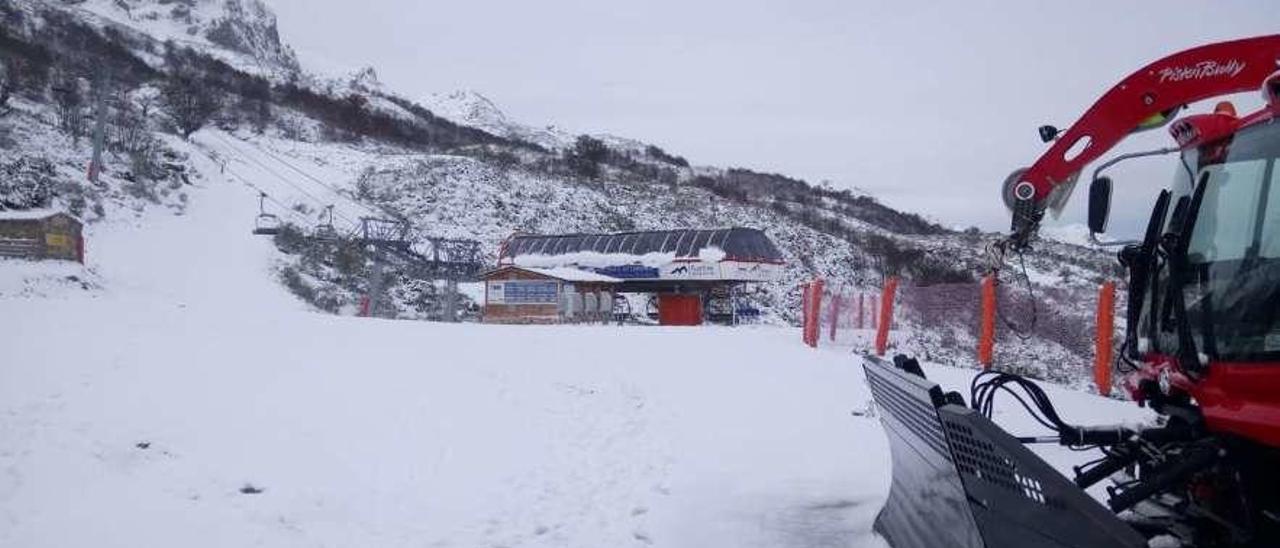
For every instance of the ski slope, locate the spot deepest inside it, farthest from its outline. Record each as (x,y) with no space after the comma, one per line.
(139,401)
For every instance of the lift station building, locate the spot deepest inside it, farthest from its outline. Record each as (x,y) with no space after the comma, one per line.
(690,275)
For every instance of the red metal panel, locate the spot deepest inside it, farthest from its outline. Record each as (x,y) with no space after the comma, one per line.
(679,310)
(1174,81)
(1236,398)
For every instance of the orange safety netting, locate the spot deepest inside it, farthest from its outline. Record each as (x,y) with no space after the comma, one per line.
(993,324)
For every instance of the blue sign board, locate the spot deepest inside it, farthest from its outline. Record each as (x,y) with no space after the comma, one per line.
(529,292)
(629,271)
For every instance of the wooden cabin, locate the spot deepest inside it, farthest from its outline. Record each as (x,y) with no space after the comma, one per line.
(41,234)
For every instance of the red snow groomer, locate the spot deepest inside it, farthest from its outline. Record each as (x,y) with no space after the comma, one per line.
(1202,345)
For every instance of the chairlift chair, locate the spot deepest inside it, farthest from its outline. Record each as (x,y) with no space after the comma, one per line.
(325,230)
(621,308)
(266,224)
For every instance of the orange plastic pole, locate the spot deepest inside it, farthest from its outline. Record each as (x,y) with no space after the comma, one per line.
(886,316)
(987,327)
(813,302)
(1106,331)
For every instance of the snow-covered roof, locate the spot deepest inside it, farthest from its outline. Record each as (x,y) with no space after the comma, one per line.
(30,214)
(574,275)
(733,244)
(569,274)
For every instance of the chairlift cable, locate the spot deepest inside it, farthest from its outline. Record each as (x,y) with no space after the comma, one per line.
(285,208)
(312,197)
(330,187)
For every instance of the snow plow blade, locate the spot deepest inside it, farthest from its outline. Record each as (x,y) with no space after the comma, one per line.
(959,480)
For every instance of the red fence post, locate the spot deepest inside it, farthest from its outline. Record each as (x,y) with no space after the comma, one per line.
(987,327)
(1106,330)
(812,312)
(886,315)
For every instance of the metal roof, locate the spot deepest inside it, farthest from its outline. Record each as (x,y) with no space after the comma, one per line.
(738,244)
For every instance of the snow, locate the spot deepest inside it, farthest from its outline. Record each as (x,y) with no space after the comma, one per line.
(470,108)
(1074,234)
(711,254)
(595,260)
(27,214)
(136,409)
(47,279)
(188,23)
(573,275)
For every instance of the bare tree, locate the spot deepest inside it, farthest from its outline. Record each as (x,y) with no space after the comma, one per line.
(130,134)
(191,105)
(147,100)
(6,91)
(69,102)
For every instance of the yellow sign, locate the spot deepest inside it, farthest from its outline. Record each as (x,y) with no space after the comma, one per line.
(57,241)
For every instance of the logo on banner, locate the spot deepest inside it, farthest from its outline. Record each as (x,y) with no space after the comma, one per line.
(695,271)
(1203,69)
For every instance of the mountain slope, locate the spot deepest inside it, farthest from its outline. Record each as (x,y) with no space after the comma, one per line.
(242,33)
(470,108)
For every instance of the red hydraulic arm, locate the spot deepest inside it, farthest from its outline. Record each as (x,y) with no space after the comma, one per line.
(1146,99)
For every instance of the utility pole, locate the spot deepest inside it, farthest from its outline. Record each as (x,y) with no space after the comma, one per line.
(451,300)
(375,281)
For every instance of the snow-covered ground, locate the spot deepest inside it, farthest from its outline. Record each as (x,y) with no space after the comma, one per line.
(141,400)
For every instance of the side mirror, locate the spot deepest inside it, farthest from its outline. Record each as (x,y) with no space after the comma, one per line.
(1099,204)
(1048,134)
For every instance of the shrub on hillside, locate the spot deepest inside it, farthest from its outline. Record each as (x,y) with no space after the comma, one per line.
(27,183)
(190,103)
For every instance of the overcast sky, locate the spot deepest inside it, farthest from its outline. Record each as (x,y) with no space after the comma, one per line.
(926,105)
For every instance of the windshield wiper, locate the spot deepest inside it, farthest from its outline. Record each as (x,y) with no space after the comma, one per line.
(1175,243)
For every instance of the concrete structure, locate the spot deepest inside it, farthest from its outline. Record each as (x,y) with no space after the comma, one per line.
(41,234)
(547,295)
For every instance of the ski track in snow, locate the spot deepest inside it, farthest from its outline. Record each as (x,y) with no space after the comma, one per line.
(135,408)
